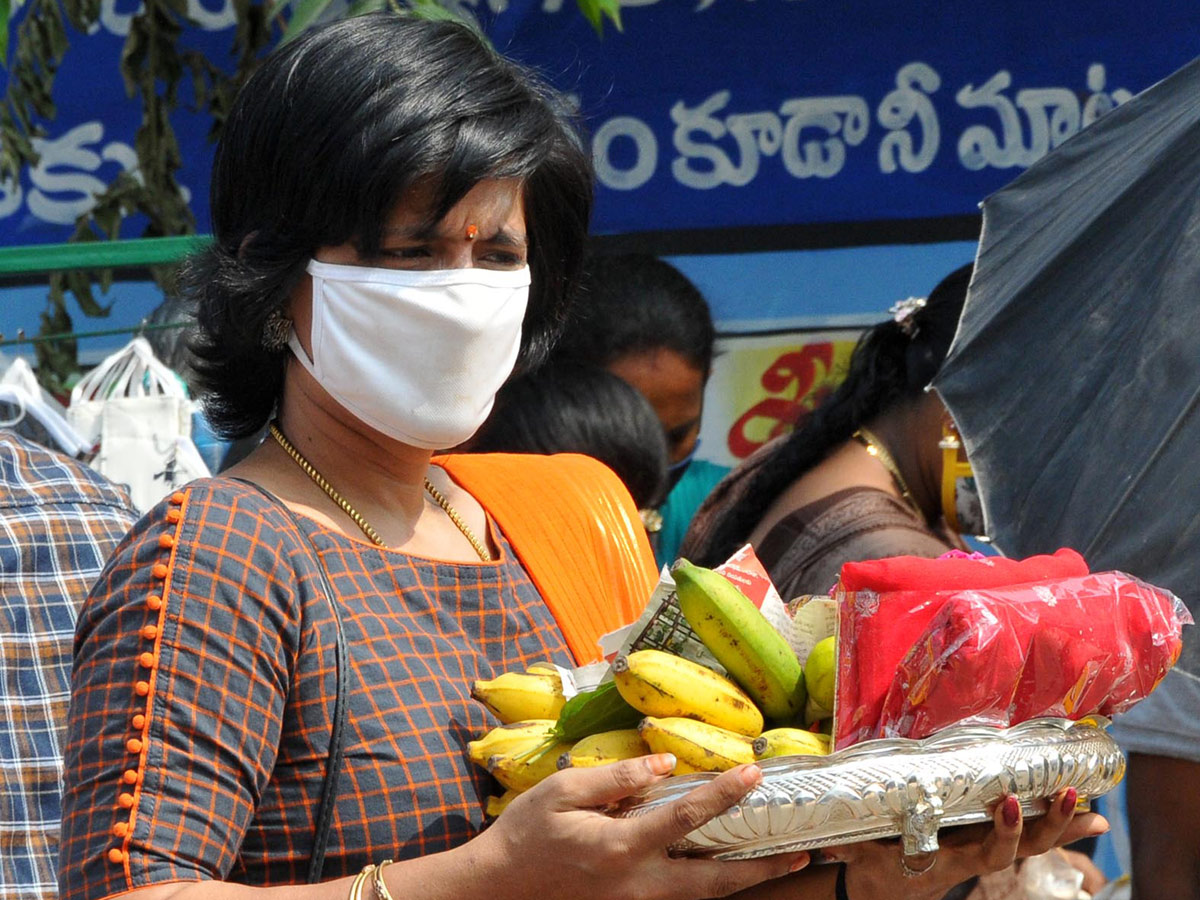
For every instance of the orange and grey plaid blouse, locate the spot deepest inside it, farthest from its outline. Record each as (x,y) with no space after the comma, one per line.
(203,695)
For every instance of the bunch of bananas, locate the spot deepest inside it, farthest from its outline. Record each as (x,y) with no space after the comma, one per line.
(710,722)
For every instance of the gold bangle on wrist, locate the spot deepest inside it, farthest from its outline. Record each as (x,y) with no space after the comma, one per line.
(356,888)
(381,891)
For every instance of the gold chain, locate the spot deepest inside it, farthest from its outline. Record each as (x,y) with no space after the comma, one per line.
(354,514)
(876,449)
(441,501)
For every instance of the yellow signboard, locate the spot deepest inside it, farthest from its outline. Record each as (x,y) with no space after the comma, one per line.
(761,385)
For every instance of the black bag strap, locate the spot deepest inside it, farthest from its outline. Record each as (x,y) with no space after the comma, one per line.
(333,765)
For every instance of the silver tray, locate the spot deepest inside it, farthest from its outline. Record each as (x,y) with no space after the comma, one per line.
(899,787)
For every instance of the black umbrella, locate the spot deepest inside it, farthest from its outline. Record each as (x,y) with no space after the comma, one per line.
(1075,373)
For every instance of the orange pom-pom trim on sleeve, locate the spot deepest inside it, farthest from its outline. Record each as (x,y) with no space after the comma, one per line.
(137,742)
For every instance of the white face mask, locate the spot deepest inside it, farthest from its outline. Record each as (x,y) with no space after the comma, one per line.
(417,355)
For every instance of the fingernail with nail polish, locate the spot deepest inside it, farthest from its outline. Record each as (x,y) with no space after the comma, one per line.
(1068,803)
(1012,811)
(799,863)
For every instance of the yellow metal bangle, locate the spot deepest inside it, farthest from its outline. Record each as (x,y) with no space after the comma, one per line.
(381,891)
(356,889)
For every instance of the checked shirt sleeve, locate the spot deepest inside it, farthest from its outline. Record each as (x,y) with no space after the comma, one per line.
(183,662)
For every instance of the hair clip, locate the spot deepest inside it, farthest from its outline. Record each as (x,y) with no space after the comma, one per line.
(903,311)
(652,520)
(472,232)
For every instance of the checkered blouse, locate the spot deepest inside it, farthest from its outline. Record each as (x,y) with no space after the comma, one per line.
(59,522)
(203,695)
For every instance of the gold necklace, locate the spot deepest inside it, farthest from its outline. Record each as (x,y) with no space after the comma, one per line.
(354,514)
(876,449)
(462,526)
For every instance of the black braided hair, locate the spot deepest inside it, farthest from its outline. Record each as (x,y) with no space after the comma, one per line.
(888,367)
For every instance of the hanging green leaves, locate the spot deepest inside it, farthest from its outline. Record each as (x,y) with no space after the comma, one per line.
(595,11)
(304,14)
(5,11)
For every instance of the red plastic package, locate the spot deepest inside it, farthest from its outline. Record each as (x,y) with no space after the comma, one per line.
(954,572)
(912,662)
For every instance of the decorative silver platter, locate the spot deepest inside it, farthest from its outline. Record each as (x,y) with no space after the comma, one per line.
(899,787)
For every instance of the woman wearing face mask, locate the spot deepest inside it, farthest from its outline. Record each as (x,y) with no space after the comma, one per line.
(271,679)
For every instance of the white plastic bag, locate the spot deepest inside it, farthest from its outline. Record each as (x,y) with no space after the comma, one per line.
(139,413)
(19,387)
(1051,876)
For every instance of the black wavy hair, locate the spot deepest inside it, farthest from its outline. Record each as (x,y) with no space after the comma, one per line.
(888,367)
(326,138)
(634,302)
(568,408)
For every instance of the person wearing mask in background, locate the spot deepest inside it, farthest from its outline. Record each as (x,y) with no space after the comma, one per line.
(567,408)
(271,684)
(59,523)
(642,319)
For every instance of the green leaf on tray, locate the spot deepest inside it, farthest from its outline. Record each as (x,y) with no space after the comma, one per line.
(594,711)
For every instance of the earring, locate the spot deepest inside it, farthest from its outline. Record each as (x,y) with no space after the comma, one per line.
(276,329)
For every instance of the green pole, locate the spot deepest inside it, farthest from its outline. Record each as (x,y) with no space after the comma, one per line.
(98,254)
(80,335)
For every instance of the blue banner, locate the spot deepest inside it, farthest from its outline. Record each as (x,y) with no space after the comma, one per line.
(732,113)
(799,122)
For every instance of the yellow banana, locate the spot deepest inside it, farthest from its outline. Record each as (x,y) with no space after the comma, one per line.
(517,696)
(496,805)
(661,684)
(603,748)
(699,745)
(743,641)
(682,768)
(790,742)
(512,739)
(521,771)
(541,667)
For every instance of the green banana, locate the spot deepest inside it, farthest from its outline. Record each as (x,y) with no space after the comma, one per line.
(814,712)
(790,742)
(657,683)
(820,673)
(697,745)
(518,696)
(743,641)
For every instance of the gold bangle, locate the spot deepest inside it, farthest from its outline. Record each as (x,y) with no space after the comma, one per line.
(381,891)
(356,889)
